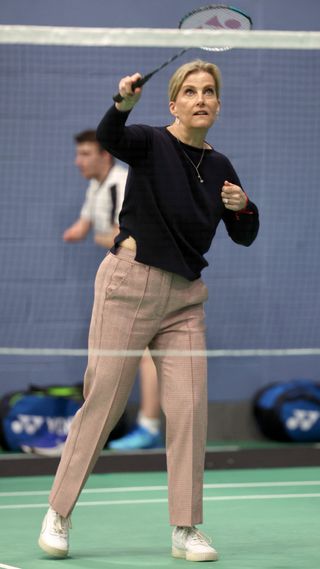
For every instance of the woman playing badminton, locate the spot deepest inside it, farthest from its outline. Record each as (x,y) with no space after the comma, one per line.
(149,292)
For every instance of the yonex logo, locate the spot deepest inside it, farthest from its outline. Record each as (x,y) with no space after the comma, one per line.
(226,23)
(302,419)
(31,424)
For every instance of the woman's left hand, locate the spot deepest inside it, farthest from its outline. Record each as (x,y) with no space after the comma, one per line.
(233,197)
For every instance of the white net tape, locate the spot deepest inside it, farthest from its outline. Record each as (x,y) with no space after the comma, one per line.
(104,37)
(173,353)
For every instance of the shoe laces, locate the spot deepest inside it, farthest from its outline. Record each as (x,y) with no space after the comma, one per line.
(61,524)
(198,537)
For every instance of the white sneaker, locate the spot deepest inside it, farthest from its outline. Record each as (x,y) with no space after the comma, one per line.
(54,536)
(190,544)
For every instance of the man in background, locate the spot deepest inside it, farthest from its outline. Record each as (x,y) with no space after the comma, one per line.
(104,196)
(100,212)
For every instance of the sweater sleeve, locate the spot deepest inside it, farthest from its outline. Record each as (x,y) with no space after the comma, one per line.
(128,143)
(242,226)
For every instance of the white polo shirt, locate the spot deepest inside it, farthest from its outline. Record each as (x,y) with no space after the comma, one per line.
(103,200)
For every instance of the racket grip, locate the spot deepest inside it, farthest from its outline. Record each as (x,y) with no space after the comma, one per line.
(117,98)
(139,83)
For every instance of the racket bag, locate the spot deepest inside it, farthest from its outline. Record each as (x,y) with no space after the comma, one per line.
(289,411)
(38,420)
(38,417)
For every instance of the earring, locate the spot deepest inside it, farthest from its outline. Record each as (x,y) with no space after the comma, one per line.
(177,121)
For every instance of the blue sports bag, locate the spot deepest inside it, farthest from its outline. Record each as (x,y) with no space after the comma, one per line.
(38,419)
(289,411)
(40,415)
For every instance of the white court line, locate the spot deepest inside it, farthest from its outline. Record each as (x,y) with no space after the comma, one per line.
(8,566)
(164,500)
(129,489)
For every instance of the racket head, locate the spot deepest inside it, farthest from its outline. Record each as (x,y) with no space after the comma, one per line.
(216,17)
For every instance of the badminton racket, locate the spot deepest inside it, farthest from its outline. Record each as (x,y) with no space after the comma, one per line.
(209,18)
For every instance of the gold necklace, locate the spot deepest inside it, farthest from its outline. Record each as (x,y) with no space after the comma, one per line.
(196,167)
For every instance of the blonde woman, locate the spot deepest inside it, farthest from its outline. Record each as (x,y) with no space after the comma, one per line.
(149,293)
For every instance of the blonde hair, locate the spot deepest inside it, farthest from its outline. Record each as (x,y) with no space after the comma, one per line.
(186,69)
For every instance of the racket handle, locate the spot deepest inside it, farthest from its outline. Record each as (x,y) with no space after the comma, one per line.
(139,83)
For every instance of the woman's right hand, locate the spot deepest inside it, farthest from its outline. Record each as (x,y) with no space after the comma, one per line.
(130,97)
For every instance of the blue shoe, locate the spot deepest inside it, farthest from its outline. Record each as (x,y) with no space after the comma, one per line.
(138,438)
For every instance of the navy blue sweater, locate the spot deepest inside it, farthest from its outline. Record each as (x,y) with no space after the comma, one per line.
(171,215)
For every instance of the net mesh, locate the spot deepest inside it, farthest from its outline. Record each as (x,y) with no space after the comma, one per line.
(261,298)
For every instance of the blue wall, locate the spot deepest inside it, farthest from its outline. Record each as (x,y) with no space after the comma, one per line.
(266,14)
(262,297)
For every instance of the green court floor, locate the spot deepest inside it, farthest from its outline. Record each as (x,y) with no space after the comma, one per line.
(259,519)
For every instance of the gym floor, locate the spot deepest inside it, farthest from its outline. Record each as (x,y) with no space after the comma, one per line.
(258,518)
